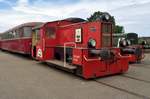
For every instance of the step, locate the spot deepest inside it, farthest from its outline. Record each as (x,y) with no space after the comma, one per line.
(60,65)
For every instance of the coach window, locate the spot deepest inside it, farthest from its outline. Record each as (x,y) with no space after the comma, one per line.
(14,34)
(10,35)
(27,31)
(17,34)
(3,36)
(50,32)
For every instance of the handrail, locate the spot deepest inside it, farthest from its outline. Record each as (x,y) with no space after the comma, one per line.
(123,56)
(65,51)
(96,59)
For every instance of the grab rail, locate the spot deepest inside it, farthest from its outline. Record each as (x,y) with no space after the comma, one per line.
(91,59)
(65,50)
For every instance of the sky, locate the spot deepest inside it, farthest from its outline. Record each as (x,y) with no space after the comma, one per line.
(134,15)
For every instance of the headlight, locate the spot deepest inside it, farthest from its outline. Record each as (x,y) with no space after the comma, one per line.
(124,43)
(129,42)
(107,17)
(92,43)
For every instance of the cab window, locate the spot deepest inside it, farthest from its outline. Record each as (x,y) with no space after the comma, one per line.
(106,28)
(50,33)
(106,35)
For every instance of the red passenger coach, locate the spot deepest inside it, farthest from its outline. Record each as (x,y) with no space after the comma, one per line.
(0,42)
(78,46)
(18,39)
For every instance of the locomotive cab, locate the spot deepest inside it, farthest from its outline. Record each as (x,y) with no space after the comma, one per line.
(81,47)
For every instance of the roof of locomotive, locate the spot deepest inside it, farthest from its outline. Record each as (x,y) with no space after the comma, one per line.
(30,24)
(73,20)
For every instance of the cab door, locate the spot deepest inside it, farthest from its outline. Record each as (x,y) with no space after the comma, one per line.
(50,42)
(45,43)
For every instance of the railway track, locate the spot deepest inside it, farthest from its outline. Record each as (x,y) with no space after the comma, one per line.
(143,66)
(129,76)
(123,90)
(126,90)
(134,78)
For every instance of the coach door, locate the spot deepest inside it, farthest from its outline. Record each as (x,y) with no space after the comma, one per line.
(35,39)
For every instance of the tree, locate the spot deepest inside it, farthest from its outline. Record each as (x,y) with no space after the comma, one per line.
(98,15)
(119,29)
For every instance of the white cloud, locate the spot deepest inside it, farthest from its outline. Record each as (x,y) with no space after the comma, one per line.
(133,14)
(23,3)
(11,18)
(134,17)
(55,11)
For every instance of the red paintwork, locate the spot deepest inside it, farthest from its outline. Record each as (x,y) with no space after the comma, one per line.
(101,68)
(21,44)
(134,58)
(65,32)
(46,43)
(98,68)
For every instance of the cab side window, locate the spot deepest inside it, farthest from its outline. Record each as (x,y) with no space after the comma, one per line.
(50,32)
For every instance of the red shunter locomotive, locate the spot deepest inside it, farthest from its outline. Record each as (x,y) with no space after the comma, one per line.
(81,47)
(129,47)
